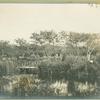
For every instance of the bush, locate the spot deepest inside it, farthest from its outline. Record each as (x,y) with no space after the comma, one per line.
(52,70)
(85,89)
(73,68)
(7,67)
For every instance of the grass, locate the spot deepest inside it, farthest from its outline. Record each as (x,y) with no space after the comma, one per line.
(35,87)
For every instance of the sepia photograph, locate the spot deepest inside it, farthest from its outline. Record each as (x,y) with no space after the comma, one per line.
(49,50)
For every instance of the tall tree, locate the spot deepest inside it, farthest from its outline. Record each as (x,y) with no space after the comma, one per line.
(22,46)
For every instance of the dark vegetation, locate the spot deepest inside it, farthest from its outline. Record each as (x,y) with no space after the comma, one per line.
(66,58)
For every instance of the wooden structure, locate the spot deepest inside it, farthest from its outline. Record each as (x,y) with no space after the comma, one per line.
(27,70)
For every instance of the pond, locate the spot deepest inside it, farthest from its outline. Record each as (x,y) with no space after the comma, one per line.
(30,86)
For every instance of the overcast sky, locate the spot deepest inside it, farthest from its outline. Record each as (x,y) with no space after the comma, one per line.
(20,20)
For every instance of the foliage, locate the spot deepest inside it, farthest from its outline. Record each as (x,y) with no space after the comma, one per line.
(64,55)
(26,85)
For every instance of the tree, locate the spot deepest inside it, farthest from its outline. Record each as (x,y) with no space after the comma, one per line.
(20,42)
(4,46)
(92,44)
(22,46)
(49,36)
(37,39)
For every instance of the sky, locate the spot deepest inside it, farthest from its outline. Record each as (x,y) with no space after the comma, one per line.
(21,20)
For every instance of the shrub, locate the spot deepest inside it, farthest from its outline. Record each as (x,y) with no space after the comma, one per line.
(52,70)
